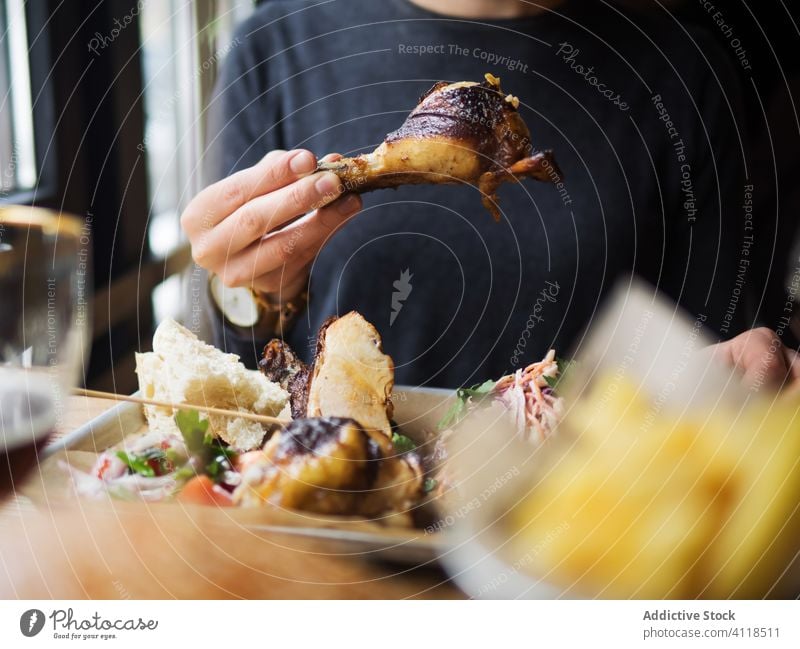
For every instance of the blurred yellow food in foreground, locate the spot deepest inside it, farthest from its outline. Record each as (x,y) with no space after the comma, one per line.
(653,503)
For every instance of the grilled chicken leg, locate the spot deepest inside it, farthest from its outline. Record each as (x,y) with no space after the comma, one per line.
(463,132)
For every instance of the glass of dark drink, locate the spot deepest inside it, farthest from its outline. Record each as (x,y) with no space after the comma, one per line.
(45,286)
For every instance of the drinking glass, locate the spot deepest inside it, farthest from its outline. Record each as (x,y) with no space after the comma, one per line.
(45,285)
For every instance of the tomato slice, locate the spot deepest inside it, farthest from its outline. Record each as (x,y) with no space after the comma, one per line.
(201,490)
(103,467)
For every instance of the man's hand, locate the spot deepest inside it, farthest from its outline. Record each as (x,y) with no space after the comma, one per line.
(246,229)
(762,358)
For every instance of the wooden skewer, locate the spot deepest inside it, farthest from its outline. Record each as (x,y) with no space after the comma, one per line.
(264,419)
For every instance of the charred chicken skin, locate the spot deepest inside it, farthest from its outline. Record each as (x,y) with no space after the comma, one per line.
(281,365)
(318,465)
(464,132)
(330,465)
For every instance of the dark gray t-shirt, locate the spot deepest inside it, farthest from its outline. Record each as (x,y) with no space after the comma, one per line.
(639,112)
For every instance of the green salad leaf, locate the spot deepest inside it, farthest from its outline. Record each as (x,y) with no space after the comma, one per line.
(563,367)
(209,456)
(193,429)
(429,485)
(463,396)
(477,392)
(137,464)
(402,444)
(151,463)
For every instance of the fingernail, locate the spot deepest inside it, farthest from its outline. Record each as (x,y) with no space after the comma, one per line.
(302,162)
(328,184)
(348,205)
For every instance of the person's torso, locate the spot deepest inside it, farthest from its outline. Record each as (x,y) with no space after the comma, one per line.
(457,297)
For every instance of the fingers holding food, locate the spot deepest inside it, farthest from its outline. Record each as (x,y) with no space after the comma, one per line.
(281,257)
(232,213)
(330,157)
(266,213)
(217,201)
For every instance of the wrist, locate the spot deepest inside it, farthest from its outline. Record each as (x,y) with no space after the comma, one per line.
(255,313)
(284,295)
(279,311)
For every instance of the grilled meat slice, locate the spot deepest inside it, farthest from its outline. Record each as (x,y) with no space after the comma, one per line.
(462,132)
(281,365)
(330,466)
(350,376)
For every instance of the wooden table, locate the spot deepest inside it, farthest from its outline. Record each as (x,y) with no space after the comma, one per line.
(164,551)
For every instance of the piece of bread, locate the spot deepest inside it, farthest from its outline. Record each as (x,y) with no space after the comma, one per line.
(183,369)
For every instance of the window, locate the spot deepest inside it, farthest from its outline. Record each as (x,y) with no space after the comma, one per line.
(168,96)
(182,45)
(18,172)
